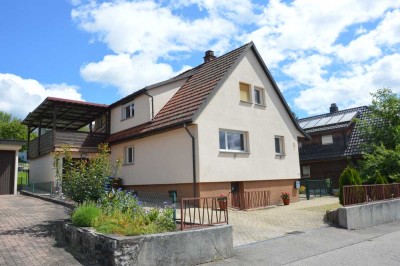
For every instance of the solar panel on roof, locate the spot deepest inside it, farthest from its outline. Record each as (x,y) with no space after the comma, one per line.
(323,121)
(335,119)
(302,124)
(348,117)
(312,123)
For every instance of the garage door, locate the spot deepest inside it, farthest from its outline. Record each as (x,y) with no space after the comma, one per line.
(7,168)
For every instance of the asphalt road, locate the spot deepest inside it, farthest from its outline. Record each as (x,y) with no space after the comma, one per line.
(377,245)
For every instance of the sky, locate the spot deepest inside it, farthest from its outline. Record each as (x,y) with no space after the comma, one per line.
(319,52)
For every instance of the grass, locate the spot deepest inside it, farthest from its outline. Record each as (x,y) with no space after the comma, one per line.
(324,208)
(22,178)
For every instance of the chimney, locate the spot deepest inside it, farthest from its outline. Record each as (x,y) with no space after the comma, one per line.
(209,56)
(333,108)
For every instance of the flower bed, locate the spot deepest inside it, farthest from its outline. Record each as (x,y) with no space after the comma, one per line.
(173,248)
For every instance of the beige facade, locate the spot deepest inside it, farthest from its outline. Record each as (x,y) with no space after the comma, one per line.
(42,169)
(143,112)
(158,159)
(260,123)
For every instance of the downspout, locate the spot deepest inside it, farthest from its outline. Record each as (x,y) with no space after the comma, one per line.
(152,104)
(193,161)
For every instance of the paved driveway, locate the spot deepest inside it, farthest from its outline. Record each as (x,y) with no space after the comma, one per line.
(258,225)
(27,228)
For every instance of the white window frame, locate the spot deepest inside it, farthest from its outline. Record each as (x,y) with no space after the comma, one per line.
(250,92)
(326,139)
(303,172)
(129,149)
(262,95)
(226,132)
(131,106)
(281,145)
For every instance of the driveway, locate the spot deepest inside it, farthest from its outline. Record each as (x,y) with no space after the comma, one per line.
(27,232)
(254,226)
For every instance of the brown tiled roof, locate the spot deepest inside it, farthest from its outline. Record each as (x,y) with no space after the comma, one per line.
(188,99)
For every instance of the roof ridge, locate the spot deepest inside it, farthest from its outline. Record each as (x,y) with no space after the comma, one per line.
(332,114)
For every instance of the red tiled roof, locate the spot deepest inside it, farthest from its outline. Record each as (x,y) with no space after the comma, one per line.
(187,100)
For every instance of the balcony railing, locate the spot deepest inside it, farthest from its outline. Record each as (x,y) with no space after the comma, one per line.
(76,139)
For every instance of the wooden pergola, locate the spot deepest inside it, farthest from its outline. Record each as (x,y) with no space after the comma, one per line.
(58,114)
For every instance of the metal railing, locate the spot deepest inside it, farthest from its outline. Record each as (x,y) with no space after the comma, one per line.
(316,187)
(41,188)
(369,193)
(203,211)
(249,199)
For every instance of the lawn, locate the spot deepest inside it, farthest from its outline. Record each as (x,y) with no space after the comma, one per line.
(324,208)
(22,178)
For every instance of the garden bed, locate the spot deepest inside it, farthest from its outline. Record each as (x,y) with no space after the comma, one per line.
(173,248)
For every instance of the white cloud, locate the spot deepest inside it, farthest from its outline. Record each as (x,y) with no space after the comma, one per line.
(308,70)
(305,25)
(20,96)
(369,45)
(354,88)
(128,73)
(141,34)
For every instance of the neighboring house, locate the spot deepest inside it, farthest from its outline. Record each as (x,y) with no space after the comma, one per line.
(9,165)
(222,126)
(335,142)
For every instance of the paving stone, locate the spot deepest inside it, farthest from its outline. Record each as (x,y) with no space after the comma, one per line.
(27,228)
(253,226)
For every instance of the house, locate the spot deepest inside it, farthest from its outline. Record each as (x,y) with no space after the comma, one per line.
(220,127)
(9,165)
(335,142)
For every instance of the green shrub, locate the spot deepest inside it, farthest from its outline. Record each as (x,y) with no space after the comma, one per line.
(350,176)
(124,215)
(85,180)
(86,214)
(380,179)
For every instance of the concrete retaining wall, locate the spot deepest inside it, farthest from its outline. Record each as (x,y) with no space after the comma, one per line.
(174,248)
(371,214)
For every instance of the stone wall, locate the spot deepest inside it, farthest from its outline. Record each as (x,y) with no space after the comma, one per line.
(174,248)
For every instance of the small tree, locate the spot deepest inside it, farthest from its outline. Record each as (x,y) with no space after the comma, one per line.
(380,179)
(350,176)
(85,180)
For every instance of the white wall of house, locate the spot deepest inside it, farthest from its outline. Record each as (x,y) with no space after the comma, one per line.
(142,114)
(161,95)
(158,159)
(260,123)
(41,169)
(164,93)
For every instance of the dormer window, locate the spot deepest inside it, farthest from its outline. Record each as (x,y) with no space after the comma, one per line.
(128,110)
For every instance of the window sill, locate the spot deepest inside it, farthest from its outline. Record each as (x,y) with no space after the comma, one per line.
(234,152)
(280,155)
(123,119)
(260,105)
(126,164)
(246,102)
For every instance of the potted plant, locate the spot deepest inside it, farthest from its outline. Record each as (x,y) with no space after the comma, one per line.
(285,198)
(222,202)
